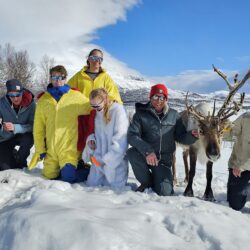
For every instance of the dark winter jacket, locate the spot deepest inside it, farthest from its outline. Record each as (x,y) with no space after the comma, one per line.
(22,119)
(148,133)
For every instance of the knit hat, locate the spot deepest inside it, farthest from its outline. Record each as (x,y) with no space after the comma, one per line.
(158,89)
(14,85)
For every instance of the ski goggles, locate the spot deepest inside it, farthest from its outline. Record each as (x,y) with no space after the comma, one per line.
(159,98)
(16,94)
(95,58)
(57,78)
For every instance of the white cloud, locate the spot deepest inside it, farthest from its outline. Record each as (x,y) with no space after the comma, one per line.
(61,29)
(196,80)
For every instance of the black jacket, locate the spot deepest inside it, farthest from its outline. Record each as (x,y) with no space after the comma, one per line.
(148,133)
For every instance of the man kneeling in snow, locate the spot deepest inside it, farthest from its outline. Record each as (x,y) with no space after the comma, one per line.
(238,186)
(152,134)
(17,110)
(55,128)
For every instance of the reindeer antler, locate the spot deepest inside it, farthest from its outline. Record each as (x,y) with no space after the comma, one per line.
(198,115)
(225,111)
(223,76)
(235,109)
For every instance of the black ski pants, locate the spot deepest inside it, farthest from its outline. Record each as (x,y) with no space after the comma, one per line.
(158,177)
(10,157)
(236,193)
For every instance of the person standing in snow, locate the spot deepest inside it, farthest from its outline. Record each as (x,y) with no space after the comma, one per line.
(109,142)
(152,134)
(17,110)
(238,185)
(93,76)
(55,128)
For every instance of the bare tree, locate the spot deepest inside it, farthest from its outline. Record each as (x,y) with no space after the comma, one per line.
(16,64)
(2,79)
(45,65)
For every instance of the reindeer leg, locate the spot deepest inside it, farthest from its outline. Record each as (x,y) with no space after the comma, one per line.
(174,169)
(208,195)
(185,154)
(193,158)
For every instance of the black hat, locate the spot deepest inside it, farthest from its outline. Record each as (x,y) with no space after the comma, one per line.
(14,85)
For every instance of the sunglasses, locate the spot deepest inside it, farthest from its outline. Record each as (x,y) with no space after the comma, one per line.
(17,94)
(57,78)
(97,106)
(95,58)
(158,98)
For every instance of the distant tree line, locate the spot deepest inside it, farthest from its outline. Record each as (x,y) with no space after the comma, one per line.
(16,64)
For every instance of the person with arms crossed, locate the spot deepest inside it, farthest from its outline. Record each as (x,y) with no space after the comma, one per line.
(93,76)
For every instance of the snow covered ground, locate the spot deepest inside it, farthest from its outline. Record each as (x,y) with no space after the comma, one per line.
(39,214)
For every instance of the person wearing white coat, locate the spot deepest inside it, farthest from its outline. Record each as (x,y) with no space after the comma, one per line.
(108,143)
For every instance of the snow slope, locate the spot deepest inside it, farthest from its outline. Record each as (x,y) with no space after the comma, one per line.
(39,214)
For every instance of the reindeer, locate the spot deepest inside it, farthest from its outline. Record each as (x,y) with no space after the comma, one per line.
(211,126)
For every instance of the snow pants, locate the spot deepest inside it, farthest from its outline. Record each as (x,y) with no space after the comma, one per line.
(236,189)
(54,161)
(10,157)
(158,177)
(108,176)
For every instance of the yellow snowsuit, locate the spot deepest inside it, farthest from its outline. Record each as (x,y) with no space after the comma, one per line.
(85,84)
(56,130)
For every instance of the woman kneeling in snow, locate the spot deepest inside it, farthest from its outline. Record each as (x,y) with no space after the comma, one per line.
(108,143)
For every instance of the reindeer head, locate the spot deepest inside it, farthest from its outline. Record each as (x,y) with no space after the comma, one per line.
(212,125)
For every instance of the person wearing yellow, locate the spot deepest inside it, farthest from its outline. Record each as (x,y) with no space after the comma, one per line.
(56,128)
(93,76)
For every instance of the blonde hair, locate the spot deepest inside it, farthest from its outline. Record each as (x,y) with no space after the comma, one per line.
(103,94)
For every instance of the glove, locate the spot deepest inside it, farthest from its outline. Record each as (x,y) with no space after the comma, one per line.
(42,156)
(95,161)
(35,159)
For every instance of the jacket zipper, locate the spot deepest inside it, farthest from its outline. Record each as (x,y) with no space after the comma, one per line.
(160,120)
(160,139)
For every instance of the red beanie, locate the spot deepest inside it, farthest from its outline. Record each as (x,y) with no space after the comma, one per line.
(158,89)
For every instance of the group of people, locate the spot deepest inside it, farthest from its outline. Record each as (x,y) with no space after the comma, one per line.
(82,122)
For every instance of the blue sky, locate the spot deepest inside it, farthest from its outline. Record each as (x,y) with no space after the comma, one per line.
(166,37)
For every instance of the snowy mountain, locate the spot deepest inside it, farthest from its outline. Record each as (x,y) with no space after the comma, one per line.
(135,89)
